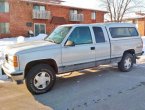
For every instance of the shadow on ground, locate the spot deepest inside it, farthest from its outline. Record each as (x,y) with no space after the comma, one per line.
(78,85)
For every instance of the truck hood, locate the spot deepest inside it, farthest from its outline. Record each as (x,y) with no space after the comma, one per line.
(27,47)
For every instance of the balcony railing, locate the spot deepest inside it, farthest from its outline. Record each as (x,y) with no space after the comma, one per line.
(41,14)
(76,17)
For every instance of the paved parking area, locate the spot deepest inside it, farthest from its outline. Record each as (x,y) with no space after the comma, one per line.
(102,88)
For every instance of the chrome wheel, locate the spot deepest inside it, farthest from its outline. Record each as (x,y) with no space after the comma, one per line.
(127,63)
(41,80)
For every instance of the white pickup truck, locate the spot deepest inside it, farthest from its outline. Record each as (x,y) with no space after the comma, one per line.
(70,48)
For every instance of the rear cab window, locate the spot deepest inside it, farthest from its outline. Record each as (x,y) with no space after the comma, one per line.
(123,32)
(99,34)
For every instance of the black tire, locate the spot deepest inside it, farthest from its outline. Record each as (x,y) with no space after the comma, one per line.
(35,71)
(121,64)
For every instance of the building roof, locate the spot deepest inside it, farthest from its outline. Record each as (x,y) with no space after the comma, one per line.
(45,1)
(134,16)
(58,3)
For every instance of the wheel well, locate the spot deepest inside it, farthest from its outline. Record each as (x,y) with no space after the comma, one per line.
(50,62)
(131,51)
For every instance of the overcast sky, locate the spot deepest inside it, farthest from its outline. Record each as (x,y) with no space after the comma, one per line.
(92,4)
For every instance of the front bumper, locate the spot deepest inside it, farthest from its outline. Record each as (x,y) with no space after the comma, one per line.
(17,76)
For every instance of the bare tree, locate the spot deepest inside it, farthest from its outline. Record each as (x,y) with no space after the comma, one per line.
(118,8)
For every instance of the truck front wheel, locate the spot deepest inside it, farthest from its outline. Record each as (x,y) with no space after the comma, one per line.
(126,63)
(40,79)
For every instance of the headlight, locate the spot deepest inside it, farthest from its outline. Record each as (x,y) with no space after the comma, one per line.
(12,60)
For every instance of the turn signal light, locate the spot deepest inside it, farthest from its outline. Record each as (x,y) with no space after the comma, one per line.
(15,61)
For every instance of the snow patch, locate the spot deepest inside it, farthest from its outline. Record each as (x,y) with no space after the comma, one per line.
(20,39)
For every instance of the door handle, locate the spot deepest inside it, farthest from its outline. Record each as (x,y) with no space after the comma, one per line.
(92,48)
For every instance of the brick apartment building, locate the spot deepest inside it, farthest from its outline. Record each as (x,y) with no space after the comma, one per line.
(17,17)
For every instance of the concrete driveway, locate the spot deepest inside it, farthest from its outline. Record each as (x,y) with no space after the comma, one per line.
(102,88)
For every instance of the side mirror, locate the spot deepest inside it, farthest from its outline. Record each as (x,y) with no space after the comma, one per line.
(70,43)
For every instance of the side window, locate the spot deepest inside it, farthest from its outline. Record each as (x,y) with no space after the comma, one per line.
(121,32)
(133,31)
(99,35)
(81,35)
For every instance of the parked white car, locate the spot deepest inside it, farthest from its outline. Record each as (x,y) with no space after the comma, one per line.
(71,48)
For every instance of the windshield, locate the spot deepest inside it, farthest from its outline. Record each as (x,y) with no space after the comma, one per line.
(58,34)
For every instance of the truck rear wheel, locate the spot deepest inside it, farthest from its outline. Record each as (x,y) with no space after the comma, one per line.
(126,63)
(40,79)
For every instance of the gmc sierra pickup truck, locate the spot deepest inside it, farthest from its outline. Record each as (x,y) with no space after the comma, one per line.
(70,48)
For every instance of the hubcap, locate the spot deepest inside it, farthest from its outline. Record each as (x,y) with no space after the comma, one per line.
(127,63)
(42,80)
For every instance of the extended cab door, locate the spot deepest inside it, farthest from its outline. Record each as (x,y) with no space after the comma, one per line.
(81,54)
(102,45)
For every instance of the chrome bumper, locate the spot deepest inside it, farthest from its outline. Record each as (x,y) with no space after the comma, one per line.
(17,76)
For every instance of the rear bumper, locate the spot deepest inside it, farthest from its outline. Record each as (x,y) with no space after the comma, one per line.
(139,54)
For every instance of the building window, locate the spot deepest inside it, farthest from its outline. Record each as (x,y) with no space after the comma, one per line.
(39,8)
(74,12)
(4,6)
(39,29)
(76,15)
(93,15)
(4,28)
